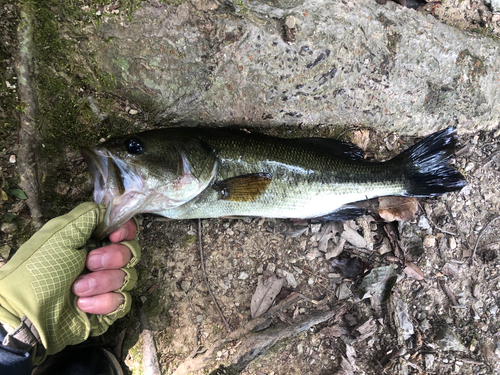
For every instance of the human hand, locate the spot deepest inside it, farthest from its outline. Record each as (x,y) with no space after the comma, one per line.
(35,285)
(95,289)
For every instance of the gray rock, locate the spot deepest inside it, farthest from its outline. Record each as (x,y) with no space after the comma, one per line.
(352,62)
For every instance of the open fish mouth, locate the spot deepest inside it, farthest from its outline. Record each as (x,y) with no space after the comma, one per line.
(98,167)
(117,185)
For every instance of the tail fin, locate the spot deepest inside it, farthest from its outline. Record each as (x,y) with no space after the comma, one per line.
(427,169)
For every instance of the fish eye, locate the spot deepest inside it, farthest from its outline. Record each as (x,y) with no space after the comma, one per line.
(134,146)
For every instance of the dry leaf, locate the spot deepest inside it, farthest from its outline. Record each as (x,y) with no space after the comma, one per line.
(328,231)
(353,237)
(413,271)
(449,293)
(397,208)
(334,331)
(336,250)
(361,138)
(268,287)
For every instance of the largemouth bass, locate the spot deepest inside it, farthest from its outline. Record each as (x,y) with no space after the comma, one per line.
(187,173)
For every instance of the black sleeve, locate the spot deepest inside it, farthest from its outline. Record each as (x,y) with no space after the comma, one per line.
(13,361)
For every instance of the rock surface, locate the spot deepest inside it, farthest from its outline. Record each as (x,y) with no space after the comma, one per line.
(350,63)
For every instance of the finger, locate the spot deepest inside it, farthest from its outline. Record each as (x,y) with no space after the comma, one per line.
(101,304)
(99,282)
(126,232)
(109,257)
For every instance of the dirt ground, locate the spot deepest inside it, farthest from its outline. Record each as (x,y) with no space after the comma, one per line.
(441,316)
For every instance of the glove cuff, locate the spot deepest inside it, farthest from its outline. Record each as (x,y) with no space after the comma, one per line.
(26,338)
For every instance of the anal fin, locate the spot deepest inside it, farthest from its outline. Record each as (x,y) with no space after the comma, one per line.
(343,214)
(243,188)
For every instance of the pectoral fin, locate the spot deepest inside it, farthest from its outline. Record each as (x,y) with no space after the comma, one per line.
(243,188)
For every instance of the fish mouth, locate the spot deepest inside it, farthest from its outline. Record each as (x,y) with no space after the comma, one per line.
(98,169)
(118,186)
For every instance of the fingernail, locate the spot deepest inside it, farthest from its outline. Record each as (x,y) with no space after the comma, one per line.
(81,286)
(85,303)
(95,262)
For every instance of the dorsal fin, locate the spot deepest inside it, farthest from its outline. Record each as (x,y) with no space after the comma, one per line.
(330,146)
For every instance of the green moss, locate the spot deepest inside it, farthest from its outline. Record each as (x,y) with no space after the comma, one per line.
(216,330)
(189,239)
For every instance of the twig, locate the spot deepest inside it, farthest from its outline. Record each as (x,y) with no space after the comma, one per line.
(310,273)
(226,324)
(434,224)
(473,256)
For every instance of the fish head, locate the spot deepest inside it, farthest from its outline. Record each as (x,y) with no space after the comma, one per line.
(148,172)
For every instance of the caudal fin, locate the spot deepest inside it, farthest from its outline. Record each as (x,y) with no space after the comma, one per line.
(427,165)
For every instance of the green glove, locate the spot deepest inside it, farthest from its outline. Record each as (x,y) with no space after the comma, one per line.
(35,286)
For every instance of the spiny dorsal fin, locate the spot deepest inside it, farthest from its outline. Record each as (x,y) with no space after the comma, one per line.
(243,188)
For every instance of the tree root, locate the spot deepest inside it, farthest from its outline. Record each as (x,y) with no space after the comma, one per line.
(253,341)
(29,140)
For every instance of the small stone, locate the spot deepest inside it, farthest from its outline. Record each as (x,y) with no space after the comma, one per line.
(62,188)
(313,254)
(429,361)
(300,349)
(424,223)
(473,345)
(483,327)
(310,281)
(469,167)
(5,251)
(133,112)
(344,291)
(243,276)
(185,285)
(8,228)
(271,267)
(290,22)
(12,159)
(290,279)
(452,243)
(385,247)
(315,228)
(494,310)
(429,241)
(425,325)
